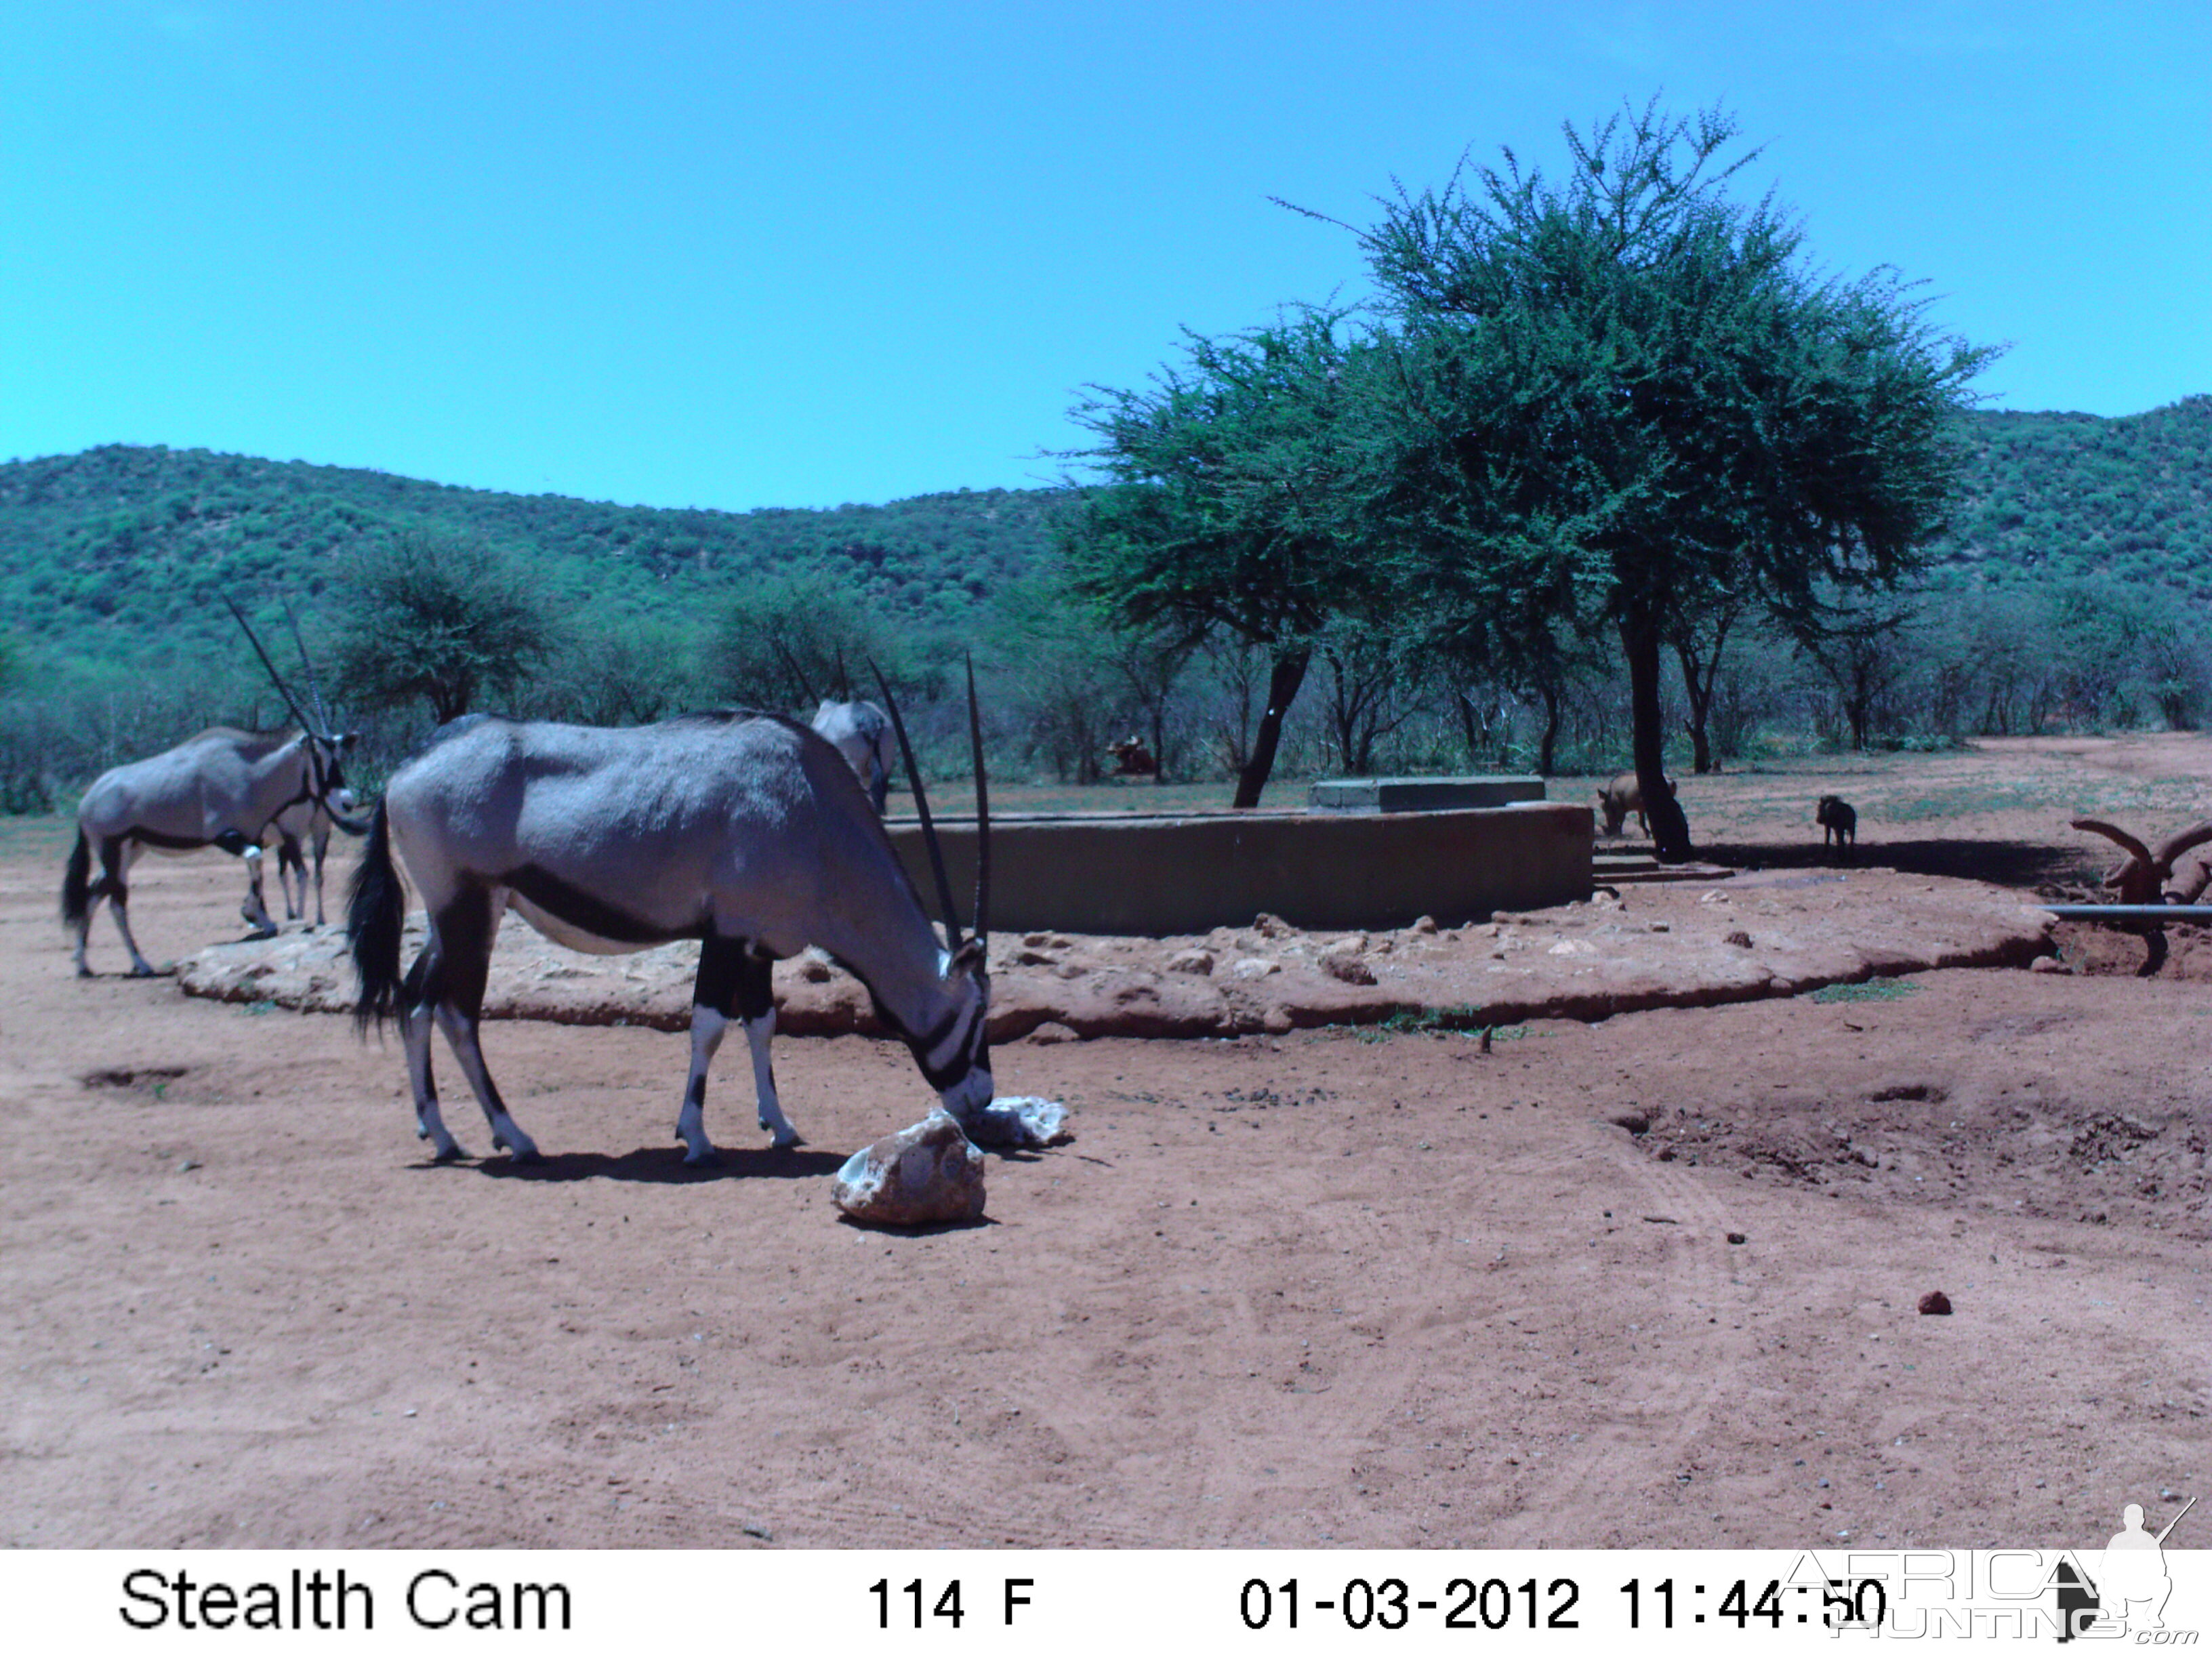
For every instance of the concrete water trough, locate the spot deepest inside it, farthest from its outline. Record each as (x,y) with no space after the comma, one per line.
(1420,795)
(1188,873)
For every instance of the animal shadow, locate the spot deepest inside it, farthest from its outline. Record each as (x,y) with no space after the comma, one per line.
(923,1230)
(664,1166)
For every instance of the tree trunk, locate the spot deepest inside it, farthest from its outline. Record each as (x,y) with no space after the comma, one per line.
(1701,702)
(1549,747)
(1700,674)
(1641,642)
(1284,679)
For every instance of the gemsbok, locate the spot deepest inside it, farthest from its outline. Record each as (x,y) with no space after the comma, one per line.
(862,734)
(224,788)
(745,831)
(303,829)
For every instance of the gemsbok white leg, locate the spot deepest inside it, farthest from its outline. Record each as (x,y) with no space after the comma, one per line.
(730,972)
(430,1122)
(756,1003)
(254,909)
(445,987)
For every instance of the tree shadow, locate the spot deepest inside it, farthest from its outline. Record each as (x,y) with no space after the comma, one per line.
(662,1166)
(2020,864)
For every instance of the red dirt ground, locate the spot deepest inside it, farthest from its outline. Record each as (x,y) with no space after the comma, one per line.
(1337,1287)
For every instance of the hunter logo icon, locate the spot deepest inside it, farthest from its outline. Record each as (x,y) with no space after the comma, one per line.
(2131,1586)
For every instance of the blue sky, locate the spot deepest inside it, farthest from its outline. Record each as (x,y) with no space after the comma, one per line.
(740,256)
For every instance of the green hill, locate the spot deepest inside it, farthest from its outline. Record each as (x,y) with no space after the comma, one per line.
(2066,496)
(123,554)
(105,553)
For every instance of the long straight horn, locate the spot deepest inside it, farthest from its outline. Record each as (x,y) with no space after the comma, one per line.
(797,674)
(921,810)
(982,811)
(844,680)
(314,687)
(275,678)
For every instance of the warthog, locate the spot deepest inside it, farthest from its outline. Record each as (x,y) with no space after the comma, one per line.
(1838,822)
(1622,796)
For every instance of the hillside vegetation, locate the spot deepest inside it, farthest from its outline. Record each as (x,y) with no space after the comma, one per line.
(121,553)
(2068,592)
(2074,496)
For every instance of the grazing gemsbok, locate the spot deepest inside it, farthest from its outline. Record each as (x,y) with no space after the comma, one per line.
(862,734)
(302,830)
(745,831)
(224,788)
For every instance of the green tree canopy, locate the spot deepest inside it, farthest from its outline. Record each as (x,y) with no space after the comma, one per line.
(446,620)
(1623,398)
(787,643)
(1232,501)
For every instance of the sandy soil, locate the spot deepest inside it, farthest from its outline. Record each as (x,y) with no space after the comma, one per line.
(1649,1280)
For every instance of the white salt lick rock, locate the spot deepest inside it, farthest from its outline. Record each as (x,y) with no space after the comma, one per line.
(928,1173)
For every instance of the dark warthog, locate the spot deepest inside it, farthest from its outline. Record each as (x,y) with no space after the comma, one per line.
(1839,824)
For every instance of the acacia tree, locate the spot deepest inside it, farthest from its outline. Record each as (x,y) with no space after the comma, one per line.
(1623,396)
(447,620)
(1231,503)
(789,641)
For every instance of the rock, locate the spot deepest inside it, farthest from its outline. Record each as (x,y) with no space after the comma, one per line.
(2048,965)
(1635,1122)
(1053,1031)
(1934,1302)
(1346,966)
(1021,1121)
(1425,924)
(1272,927)
(1255,968)
(928,1173)
(1740,940)
(1277,1021)
(1193,961)
(813,972)
(1737,1238)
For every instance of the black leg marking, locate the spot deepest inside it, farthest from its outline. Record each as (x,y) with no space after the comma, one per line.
(756,985)
(722,967)
(464,953)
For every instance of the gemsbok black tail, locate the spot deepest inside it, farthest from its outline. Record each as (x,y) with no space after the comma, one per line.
(76,885)
(376,912)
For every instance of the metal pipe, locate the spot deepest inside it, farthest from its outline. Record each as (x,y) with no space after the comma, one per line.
(2129,912)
